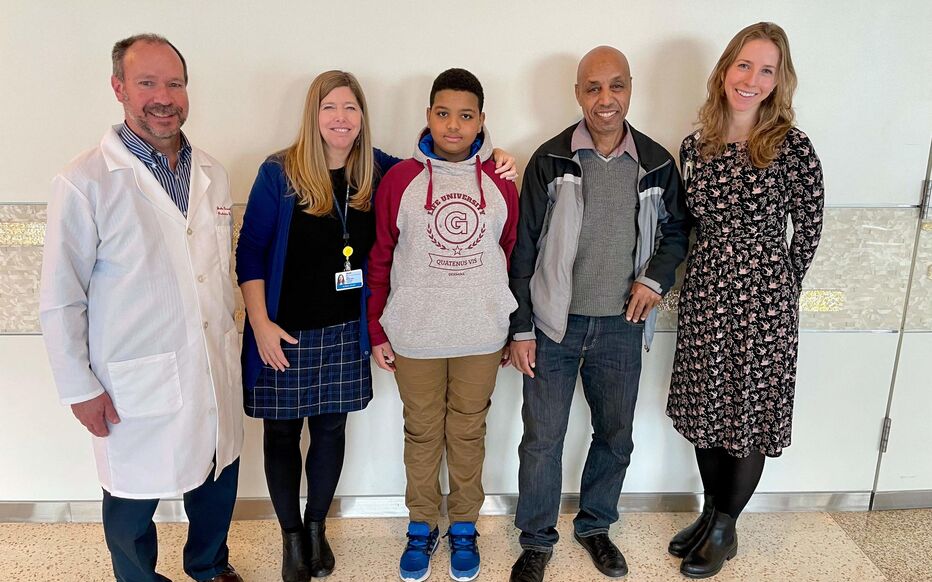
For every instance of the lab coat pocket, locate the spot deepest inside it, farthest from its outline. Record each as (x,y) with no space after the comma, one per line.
(146,387)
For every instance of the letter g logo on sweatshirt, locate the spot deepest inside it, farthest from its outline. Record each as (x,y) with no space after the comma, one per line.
(456,222)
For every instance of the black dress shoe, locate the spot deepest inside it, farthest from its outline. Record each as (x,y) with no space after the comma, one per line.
(228,575)
(688,537)
(320,559)
(530,566)
(294,560)
(719,544)
(606,556)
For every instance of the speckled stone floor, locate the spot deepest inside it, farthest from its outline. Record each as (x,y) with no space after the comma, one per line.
(898,542)
(893,546)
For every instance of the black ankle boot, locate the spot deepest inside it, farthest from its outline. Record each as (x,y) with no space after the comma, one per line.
(689,536)
(319,555)
(719,543)
(294,563)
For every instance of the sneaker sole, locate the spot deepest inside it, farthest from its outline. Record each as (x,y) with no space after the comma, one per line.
(421,579)
(426,574)
(464,578)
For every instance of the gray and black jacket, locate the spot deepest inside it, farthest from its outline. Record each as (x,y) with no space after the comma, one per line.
(551,212)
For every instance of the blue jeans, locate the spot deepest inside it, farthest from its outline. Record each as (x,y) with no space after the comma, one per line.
(606,353)
(132,540)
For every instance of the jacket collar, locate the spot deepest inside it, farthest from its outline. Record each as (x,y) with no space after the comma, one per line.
(582,140)
(650,155)
(118,157)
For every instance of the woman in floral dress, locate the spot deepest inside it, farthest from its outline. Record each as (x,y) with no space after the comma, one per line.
(747,170)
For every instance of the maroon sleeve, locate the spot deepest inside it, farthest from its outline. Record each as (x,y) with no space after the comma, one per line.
(388,200)
(510,193)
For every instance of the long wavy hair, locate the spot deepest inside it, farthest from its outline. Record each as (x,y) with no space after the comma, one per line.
(305,161)
(775,116)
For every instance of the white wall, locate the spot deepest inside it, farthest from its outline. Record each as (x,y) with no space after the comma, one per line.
(864,91)
(865,98)
(908,462)
(47,456)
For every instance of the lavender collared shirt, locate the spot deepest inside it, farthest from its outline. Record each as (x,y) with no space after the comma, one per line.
(582,140)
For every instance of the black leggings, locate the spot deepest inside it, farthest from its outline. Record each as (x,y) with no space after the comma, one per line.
(729,480)
(324,463)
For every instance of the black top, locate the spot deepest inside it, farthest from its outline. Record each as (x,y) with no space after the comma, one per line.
(309,299)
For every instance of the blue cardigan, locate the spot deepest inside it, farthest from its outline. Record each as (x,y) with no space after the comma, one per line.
(263,242)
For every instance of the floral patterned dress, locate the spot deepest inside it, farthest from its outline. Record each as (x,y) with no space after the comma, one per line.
(734,373)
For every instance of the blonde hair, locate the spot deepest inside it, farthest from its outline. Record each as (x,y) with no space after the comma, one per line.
(305,161)
(775,116)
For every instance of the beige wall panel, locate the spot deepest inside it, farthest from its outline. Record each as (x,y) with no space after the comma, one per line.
(919,314)
(857,282)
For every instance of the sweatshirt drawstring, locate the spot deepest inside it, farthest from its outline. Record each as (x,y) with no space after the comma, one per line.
(430,187)
(429,203)
(479,182)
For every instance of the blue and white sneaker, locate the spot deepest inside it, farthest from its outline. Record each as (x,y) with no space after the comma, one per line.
(415,561)
(464,553)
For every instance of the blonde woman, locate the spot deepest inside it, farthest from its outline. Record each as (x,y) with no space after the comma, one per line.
(747,169)
(301,256)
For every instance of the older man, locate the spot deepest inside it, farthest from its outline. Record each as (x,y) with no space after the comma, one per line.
(137,313)
(602,229)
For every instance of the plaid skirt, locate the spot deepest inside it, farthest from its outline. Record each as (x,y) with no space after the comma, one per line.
(327,375)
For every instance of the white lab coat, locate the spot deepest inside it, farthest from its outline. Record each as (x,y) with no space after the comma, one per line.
(138,301)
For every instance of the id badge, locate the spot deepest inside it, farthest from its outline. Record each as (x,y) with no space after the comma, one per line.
(346,280)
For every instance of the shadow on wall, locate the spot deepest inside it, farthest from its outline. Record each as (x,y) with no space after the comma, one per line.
(396,114)
(552,103)
(287,99)
(401,107)
(669,87)
(546,88)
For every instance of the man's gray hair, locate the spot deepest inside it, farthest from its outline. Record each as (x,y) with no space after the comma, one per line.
(121,46)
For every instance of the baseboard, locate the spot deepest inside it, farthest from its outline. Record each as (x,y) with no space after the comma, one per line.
(902,500)
(172,510)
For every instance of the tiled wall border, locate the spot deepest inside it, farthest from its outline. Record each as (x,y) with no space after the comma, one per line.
(857,283)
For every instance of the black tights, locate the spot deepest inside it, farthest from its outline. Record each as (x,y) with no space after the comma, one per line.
(729,480)
(324,463)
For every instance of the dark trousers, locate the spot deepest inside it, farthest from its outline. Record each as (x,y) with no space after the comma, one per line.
(132,539)
(606,353)
(323,465)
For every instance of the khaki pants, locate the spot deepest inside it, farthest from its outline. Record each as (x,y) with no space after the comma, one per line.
(445,404)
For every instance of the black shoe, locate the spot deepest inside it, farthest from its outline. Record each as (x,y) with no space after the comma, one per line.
(319,555)
(719,544)
(688,537)
(530,566)
(606,556)
(294,561)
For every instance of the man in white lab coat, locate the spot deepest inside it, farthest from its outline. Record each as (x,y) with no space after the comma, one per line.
(137,314)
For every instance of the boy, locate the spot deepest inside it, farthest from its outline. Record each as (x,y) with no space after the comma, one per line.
(439,312)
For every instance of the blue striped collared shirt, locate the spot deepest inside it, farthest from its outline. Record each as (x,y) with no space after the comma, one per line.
(178,183)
